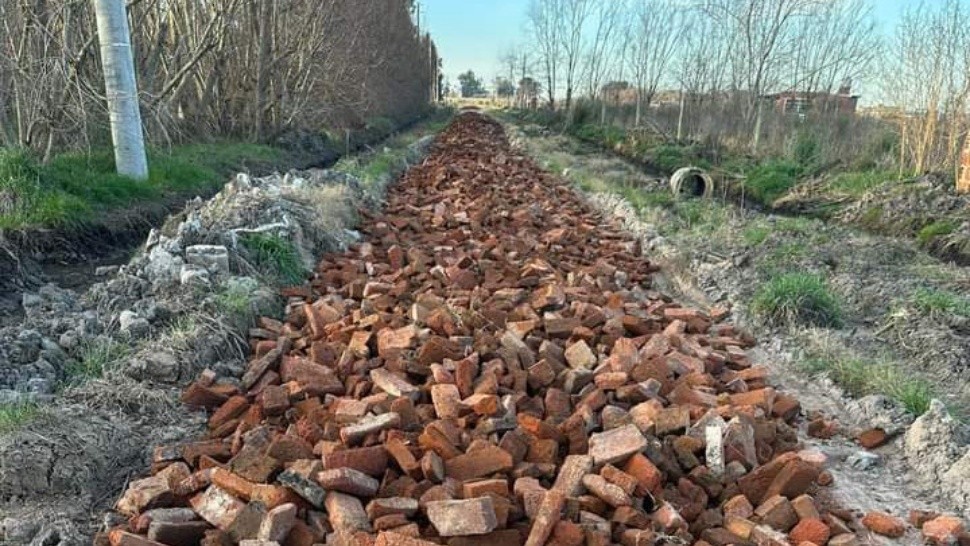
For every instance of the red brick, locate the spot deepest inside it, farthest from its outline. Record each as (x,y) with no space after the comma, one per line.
(478,463)
(943,530)
(810,530)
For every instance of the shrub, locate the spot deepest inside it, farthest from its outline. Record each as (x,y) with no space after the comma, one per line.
(380,126)
(670,157)
(807,150)
(771,180)
(798,297)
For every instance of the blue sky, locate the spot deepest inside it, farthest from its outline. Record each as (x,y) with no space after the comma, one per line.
(472,34)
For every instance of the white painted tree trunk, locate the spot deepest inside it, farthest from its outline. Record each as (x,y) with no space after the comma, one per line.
(121,89)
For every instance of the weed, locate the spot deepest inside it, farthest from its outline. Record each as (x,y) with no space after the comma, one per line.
(182,331)
(234,300)
(933,302)
(928,233)
(275,256)
(798,297)
(755,235)
(784,254)
(798,225)
(96,357)
(872,218)
(858,183)
(641,199)
(14,415)
(771,180)
(860,378)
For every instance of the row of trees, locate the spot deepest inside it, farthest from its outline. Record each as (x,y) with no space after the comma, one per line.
(213,68)
(723,57)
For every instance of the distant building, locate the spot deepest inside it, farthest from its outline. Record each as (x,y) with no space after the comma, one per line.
(801,102)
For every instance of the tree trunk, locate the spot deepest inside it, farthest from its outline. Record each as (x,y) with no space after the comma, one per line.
(963,169)
(121,89)
(265,23)
(756,138)
(636,119)
(680,118)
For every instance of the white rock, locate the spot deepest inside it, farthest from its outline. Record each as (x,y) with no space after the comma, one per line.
(215,258)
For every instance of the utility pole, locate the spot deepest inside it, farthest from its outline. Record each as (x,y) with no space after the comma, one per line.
(121,88)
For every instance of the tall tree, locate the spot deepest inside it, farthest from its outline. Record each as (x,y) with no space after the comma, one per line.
(121,88)
(545,25)
(653,31)
(575,14)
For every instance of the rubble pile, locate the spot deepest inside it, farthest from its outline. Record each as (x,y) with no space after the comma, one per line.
(491,367)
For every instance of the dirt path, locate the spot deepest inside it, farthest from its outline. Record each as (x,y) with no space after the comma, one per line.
(492,367)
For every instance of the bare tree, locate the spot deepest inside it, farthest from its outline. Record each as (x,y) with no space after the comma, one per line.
(575,14)
(545,25)
(764,31)
(929,60)
(837,42)
(213,68)
(653,32)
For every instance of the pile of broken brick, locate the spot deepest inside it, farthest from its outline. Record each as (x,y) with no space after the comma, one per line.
(492,368)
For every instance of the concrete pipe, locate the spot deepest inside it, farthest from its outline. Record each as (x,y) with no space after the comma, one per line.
(691,182)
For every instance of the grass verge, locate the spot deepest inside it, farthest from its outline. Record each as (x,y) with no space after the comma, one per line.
(798,297)
(73,188)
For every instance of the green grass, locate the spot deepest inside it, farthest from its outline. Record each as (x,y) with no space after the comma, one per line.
(96,357)
(769,181)
(862,378)
(856,183)
(17,414)
(74,188)
(373,167)
(936,229)
(641,199)
(935,302)
(275,256)
(754,235)
(797,297)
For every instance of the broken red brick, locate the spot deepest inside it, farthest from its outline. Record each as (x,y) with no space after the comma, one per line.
(884,524)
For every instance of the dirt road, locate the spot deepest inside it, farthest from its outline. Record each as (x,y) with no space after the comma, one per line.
(492,367)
